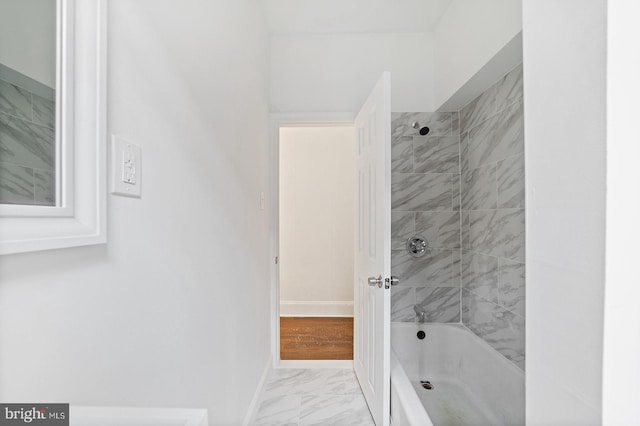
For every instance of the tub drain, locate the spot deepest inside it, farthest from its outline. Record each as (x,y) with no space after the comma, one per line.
(426,384)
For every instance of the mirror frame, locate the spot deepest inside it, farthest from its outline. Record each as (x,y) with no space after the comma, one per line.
(80,215)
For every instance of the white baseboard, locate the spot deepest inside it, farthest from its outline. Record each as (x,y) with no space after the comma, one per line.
(315,364)
(87,415)
(254,406)
(293,308)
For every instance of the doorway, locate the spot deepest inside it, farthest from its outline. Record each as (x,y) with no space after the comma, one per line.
(316,214)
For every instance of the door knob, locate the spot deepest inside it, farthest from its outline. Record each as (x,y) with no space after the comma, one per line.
(373,281)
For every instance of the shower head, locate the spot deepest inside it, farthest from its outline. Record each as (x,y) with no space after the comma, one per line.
(422,130)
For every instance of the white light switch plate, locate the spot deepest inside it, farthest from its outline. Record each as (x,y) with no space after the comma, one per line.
(126,168)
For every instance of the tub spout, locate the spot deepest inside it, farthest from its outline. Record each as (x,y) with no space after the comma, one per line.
(420,313)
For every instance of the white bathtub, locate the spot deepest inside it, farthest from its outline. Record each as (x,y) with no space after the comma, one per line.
(472,383)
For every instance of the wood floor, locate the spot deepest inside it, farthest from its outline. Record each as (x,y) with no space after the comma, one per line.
(316,338)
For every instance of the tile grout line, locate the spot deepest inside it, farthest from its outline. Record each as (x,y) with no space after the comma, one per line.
(494,303)
(494,115)
(460,216)
(460,210)
(24,88)
(33,174)
(480,337)
(15,117)
(33,114)
(492,85)
(28,120)
(496,164)
(509,157)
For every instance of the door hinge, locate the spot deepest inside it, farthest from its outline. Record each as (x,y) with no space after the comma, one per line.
(276,260)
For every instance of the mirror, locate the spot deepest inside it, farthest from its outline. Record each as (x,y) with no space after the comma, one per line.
(28,102)
(53,63)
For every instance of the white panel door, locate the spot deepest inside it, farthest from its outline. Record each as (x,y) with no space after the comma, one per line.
(373,251)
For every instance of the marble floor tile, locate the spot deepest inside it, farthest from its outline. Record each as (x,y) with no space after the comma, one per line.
(351,382)
(313,397)
(305,382)
(283,378)
(339,410)
(279,410)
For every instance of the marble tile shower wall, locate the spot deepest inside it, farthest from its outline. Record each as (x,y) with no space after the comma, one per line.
(462,188)
(27,146)
(425,201)
(493,216)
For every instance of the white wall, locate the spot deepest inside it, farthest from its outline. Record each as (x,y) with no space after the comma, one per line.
(317,202)
(468,35)
(565,113)
(174,310)
(621,370)
(337,72)
(28,38)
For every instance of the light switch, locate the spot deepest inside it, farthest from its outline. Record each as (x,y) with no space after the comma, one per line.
(125,167)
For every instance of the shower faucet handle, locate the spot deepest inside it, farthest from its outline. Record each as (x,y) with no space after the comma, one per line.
(417,246)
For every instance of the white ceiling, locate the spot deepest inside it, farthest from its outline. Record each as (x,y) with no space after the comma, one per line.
(353,16)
